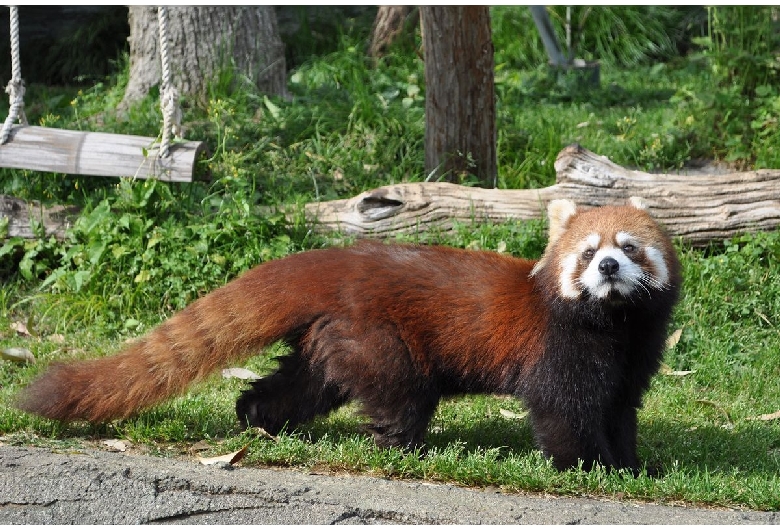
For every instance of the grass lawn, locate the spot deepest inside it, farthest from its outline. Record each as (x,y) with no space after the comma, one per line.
(143,250)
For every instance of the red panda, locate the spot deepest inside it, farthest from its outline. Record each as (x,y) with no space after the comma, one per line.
(577,335)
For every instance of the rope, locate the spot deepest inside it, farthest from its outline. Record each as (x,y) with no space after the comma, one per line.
(169,96)
(15,88)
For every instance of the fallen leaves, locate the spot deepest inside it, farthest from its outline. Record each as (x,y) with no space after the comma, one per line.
(25,331)
(766,417)
(673,339)
(667,370)
(513,415)
(239,373)
(117,445)
(21,329)
(225,460)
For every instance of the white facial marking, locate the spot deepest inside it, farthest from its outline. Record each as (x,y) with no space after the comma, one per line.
(593,241)
(568,284)
(624,238)
(656,257)
(624,281)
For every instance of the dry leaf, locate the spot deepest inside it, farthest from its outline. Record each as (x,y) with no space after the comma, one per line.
(117,445)
(21,329)
(17,355)
(265,434)
(239,373)
(57,338)
(513,415)
(729,423)
(228,459)
(767,417)
(667,370)
(673,339)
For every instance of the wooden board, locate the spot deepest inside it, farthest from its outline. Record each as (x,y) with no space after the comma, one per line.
(96,154)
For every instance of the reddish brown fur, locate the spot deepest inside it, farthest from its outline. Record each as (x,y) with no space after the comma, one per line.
(396,327)
(452,304)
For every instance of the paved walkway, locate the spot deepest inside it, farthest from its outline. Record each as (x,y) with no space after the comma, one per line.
(42,486)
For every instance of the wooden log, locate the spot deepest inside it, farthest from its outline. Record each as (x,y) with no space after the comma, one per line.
(97,154)
(697,208)
(29,219)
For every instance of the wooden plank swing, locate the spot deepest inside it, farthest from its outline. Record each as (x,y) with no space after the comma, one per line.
(23,146)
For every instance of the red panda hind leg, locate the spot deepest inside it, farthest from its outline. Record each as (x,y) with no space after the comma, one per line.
(337,360)
(294,394)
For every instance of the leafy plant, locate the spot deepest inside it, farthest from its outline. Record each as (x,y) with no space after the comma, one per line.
(617,36)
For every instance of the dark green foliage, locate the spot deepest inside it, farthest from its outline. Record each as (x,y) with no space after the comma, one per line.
(65,45)
(617,36)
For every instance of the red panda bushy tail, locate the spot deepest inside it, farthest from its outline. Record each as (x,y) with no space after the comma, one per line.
(225,326)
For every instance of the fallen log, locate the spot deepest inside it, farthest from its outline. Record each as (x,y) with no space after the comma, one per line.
(696,208)
(29,220)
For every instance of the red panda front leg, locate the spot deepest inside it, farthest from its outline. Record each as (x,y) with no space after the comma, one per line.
(567,444)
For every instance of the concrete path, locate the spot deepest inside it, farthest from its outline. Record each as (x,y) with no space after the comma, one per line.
(42,486)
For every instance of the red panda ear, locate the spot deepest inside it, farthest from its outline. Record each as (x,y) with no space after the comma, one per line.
(559,212)
(638,203)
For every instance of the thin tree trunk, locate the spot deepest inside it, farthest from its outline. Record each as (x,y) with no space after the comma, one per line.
(202,41)
(389,24)
(460,103)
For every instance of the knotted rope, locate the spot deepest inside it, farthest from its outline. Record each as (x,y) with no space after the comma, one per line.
(169,96)
(15,88)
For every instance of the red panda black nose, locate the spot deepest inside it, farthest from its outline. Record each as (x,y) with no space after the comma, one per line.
(608,266)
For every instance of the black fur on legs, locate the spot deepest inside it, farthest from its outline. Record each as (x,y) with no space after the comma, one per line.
(317,378)
(294,394)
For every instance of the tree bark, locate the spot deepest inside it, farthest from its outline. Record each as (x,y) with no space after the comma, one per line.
(389,24)
(204,40)
(460,103)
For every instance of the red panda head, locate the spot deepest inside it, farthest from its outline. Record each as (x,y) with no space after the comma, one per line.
(608,253)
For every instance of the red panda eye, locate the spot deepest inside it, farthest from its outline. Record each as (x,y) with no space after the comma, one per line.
(588,254)
(629,248)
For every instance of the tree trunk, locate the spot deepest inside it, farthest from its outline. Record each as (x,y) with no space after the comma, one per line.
(460,102)
(202,41)
(389,24)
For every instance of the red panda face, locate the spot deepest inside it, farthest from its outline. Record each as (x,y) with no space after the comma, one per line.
(604,265)
(608,253)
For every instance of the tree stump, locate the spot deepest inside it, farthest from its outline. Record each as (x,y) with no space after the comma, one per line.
(460,99)
(204,39)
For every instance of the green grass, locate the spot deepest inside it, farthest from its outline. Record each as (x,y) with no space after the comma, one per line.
(142,250)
